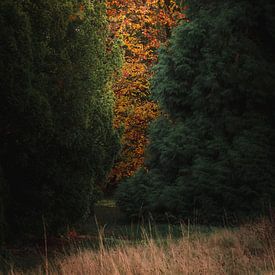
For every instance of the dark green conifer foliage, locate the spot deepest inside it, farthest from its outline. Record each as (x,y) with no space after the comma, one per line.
(57,141)
(212,152)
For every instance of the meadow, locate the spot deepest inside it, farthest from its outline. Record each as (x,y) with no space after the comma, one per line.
(111,246)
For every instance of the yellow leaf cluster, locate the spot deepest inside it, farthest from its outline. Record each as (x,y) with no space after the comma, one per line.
(143,25)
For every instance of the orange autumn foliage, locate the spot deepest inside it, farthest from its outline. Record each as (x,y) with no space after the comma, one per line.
(79,14)
(142,25)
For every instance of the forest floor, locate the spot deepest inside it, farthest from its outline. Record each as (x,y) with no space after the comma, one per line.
(109,245)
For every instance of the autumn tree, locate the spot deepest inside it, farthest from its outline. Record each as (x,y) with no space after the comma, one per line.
(212,153)
(142,26)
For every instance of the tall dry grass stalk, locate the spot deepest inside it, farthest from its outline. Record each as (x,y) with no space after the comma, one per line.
(249,250)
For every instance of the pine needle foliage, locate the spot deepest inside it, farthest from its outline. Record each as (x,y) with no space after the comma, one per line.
(56,108)
(212,152)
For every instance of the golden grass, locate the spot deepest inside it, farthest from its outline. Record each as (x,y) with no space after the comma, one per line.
(248,250)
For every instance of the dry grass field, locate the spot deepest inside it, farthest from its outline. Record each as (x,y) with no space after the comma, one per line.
(249,249)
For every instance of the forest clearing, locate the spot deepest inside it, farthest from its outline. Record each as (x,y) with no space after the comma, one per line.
(137,137)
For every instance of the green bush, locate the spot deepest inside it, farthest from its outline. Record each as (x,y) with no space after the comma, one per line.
(212,153)
(56,108)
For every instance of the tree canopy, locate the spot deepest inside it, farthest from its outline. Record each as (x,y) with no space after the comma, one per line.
(212,151)
(56,110)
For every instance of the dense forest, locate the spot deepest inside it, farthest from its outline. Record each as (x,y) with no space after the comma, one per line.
(169,106)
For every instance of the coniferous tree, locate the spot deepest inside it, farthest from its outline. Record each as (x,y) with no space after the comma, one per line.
(212,152)
(57,139)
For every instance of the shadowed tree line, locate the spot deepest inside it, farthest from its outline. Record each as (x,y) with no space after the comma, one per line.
(212,150)
(57,141)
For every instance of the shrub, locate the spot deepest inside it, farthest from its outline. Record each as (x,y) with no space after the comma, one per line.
(212,153)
